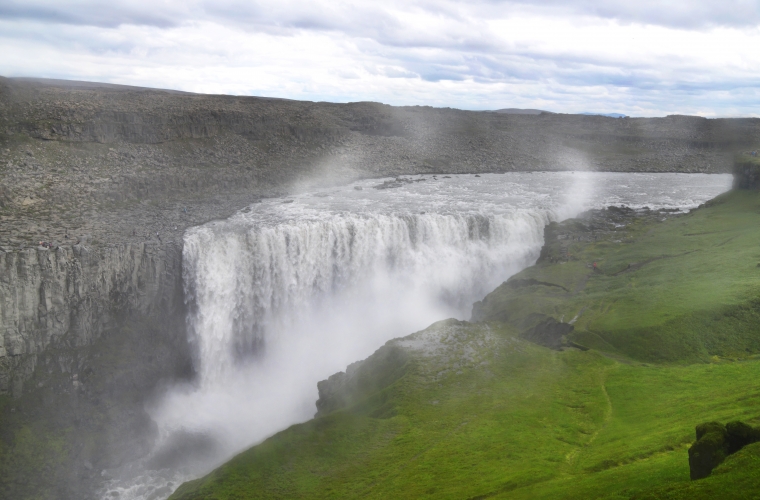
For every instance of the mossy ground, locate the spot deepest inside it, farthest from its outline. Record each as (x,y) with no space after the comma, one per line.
(673,339)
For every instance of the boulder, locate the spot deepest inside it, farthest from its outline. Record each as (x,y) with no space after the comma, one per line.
(740,435)
(715,442)
(710,449)
(746,173)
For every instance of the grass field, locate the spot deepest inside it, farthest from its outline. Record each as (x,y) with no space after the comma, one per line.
(672,321)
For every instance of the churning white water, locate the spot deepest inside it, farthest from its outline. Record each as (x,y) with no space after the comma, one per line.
(288,291)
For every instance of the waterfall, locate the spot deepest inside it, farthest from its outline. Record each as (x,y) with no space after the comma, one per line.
(248,283)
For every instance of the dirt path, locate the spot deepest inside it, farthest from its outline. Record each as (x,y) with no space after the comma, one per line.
(571,459)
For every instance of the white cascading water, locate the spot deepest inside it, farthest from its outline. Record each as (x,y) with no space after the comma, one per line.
(290,291)
(250,285)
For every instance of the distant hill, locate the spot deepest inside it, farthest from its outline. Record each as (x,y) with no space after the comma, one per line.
(76,84)
(519,111)
(611,115)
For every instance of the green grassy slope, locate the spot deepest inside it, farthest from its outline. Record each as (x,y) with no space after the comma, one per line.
(681,291)
(735,479)
(481,413)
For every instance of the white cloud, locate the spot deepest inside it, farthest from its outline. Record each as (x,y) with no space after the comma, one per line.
(627,57)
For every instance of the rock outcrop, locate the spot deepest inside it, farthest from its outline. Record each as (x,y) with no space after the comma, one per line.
(447,347)
(362,378)
(747,172)
(715,442)
(69,295)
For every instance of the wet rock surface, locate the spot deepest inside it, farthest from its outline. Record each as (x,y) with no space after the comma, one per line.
(88,335)
(69,295)
(82,411)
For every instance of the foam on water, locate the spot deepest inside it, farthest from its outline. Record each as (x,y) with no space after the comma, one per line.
(289,291)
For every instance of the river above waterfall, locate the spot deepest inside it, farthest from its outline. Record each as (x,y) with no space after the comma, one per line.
(564,192)
(291,290)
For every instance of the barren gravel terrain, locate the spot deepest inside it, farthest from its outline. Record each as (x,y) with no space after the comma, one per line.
(113,164)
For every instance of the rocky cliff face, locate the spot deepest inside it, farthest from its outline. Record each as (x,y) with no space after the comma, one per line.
(68,296)
(88,332)
(747,171)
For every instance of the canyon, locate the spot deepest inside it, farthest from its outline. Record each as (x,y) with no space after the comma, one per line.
(109,178)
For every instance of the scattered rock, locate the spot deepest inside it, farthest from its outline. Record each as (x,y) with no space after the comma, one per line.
(549,333)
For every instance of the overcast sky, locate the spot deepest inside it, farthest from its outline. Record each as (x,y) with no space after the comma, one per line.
(639,57)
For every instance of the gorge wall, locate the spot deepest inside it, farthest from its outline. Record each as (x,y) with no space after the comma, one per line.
(69,295)
(88,333)
(112,175)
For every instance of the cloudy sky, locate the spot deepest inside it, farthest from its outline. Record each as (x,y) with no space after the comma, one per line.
(642,57)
